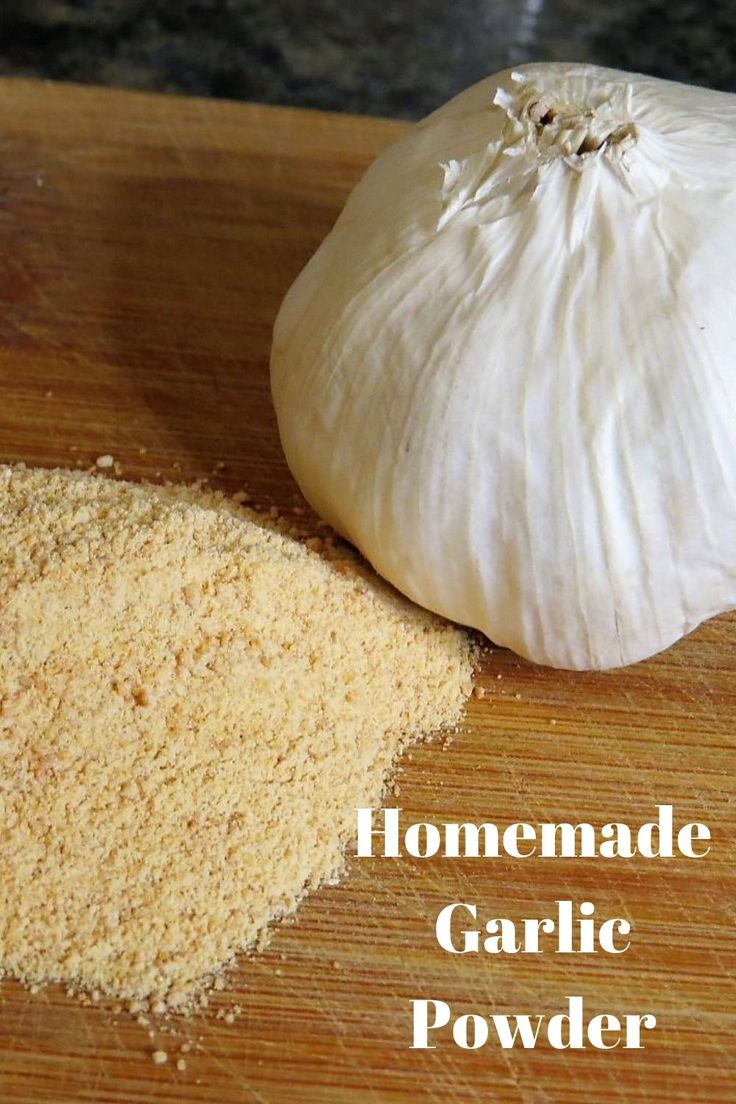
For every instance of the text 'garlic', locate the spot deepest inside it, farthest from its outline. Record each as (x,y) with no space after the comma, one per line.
(508,375)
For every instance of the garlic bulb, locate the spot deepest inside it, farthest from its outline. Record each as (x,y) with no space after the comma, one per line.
(509,373)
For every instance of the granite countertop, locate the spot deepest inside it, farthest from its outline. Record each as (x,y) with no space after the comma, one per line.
(382,57)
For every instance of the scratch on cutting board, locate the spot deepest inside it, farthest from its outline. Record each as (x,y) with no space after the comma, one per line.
(19,1031)
(459,1087)
(168,128)
(26,275)
(205,118)
(227,1066)
(505,1055)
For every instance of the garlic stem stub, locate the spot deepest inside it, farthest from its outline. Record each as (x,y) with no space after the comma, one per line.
(508,375)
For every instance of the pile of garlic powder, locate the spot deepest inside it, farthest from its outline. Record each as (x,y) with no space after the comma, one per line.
(192,705)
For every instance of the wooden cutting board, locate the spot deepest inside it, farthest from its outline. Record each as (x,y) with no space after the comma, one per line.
(145,245)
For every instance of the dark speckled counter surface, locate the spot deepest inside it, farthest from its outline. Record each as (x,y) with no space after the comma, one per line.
(379,57)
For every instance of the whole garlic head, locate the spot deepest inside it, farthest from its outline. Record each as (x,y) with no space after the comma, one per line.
(509,373)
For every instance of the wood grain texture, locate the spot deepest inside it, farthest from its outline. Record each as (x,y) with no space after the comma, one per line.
(145,245)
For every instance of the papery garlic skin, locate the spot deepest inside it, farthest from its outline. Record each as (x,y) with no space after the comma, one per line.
(509,373)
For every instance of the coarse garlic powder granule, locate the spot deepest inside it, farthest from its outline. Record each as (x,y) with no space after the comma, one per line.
(192,705)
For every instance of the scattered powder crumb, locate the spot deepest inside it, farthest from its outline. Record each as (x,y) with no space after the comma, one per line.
(553,721)
(159,1057)
(517,696)
(185,1048)
(49,394)
(105,461)
(181,1064)
(213,750)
